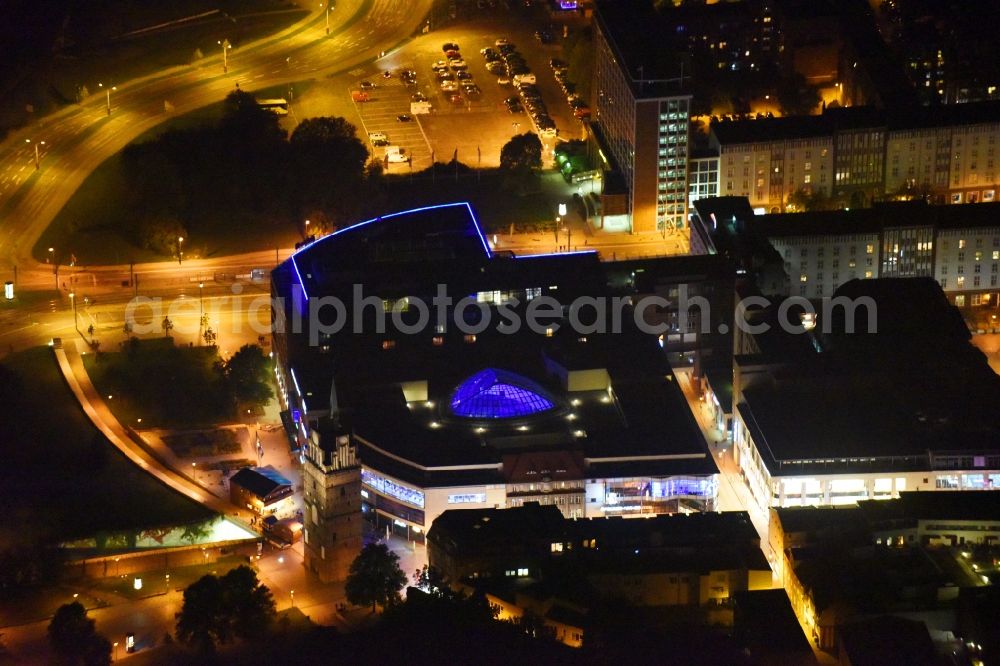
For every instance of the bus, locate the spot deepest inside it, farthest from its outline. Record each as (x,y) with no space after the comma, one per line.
(278,106)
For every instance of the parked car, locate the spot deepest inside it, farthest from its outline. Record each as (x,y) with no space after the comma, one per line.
(439,65)
(463,76)
(527,78)
(501,42)
(495,67)
(449,46)
(503,81)
(367,85)
(379,138)
(418,97)
(404,118)
(582,112)
(557,64)
(449,86)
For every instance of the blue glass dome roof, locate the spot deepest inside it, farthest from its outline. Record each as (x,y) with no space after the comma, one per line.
(497,394)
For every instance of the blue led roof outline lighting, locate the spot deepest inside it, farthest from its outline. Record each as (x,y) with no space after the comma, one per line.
(496,394)
(472,214)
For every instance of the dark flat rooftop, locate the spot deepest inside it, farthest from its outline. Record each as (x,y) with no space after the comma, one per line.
(874,220)
(855,118)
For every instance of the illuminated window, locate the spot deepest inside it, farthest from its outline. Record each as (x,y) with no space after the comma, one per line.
(438,341)
(388,344)
(470,338)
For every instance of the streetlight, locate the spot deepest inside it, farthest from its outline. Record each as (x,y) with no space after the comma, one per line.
(108,91)
(37,143)
(327,18)
(291,593)
(115,655)
(180,249)
(51,258)
(307,229)
(201,303)
(225,54)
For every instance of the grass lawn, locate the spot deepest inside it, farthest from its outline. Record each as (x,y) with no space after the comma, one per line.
(203,443)
(164,385)
(90,223)
(155,582)
(61,478)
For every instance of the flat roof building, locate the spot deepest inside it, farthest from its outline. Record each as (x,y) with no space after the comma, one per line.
(482,404)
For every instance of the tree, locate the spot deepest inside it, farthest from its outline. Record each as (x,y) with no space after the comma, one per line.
(375,577)
(796,97)
(217,610)
(74,639)
(200,623)
(328,170)
(805,200)
(522,154)
(248,372)
(430,580)
(209,336)
(160,234)
(167,326)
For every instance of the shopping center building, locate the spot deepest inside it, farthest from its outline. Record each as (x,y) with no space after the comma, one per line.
(432,408)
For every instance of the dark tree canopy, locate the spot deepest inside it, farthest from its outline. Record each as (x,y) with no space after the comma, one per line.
(523,153)
(796,97)
(74,639)
(248,372)
(327,166)
(375,577)
(217,610)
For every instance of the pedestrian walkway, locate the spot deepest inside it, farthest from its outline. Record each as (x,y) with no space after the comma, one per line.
(71,365)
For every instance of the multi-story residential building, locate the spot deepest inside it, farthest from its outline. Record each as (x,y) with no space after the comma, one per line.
(768,161)
(959,246)
(860,155)
(641,120)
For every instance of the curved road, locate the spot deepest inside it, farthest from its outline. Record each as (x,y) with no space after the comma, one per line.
(80,137)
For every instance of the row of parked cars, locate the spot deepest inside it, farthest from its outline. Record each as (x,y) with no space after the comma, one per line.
(561,70)
(452,74)
(513,69)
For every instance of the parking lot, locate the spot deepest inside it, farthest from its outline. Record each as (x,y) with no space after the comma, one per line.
(474,128)
(389,100)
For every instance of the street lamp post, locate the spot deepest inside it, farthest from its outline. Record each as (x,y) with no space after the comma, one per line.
(291,593)
(72,300)
(114,656)
(37,143)
(51,256)
(108,92)
(328,19)
(180,249)
(225,54)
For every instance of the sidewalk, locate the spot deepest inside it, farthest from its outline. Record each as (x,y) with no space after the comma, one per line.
(71,366)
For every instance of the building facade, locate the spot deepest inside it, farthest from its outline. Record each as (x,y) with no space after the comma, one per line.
(641,118)
(856,156)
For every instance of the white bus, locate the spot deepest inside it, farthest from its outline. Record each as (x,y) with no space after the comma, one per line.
(278,106)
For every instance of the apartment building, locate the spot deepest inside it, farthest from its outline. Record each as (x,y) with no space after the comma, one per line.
(857,156)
